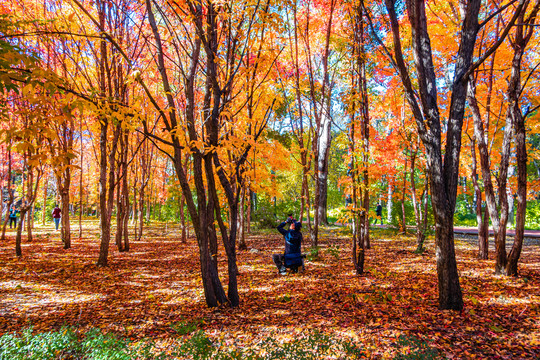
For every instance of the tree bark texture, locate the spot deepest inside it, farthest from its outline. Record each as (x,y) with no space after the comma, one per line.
(524,31)
(11,195)
(481,221)
(424,106)
(389,200)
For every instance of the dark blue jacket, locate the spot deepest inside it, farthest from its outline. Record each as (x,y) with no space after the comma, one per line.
(293,238)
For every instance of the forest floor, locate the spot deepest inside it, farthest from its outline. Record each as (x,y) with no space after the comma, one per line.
(155,287)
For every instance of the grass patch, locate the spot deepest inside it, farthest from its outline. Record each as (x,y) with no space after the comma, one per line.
(66,344)
(96,345)
(410,347)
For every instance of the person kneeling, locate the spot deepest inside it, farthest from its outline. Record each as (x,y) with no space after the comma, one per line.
(293,243)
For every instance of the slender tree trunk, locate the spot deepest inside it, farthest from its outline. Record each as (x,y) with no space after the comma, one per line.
(11,195)
(358,255)
(498,217)
(29,236)
(323,160)
(44,206)
(248,215)
(389,201)
(105,219)
(81,182)
(241,221)
(420,229)
(322,111)
(510,199)
(64,196)
(2,192)
(364,113)
(403,192)
(141,213)
(122,200)
(521,155)
(31,186)
(146,163)
(183,219)
(126,205)
(482,221)
(18,237)
(524,32)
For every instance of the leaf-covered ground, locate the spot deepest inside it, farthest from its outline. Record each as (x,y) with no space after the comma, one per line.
(148,291)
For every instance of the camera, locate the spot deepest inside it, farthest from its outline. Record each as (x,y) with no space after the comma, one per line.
(289,220)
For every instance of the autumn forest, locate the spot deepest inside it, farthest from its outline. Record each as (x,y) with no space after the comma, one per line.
(150,148)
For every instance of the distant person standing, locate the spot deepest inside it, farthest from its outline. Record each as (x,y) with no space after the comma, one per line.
(56,214)
(13,218)
(378,212)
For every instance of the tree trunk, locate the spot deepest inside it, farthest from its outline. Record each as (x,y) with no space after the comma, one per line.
(122,200)
(420,230)
(521,159)
(241,221)
(105,216)
(450,296)
(29,236)
(107,155)
(64,196)
(389,201)
(81,182)
(443,174)
(364,128)
(44,206)
(510,199)
(213,290)
(524,32)
(248,209)
(125,223)
(323,160)
(30,186)
(11,198)
(18,237)
(481,221)
(322,112)
(183,224)
(146,163)
(403,191)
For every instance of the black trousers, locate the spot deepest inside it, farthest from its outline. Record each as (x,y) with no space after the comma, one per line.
(12,221)
(279,261)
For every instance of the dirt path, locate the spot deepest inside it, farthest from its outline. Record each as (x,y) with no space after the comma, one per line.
(534,234)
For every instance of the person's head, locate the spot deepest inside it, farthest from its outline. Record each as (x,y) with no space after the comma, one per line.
(55,205)
(296,225)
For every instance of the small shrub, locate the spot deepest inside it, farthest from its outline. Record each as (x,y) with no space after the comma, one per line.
(43,346)
(186,327)
(333,251)
(265,216)
(284,298)
(411,347)
(313,253)
(379,296)
(198,347)
(99,346)
(64,344)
